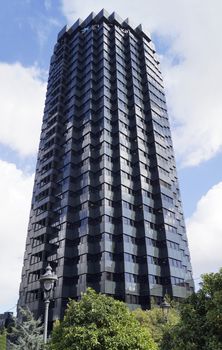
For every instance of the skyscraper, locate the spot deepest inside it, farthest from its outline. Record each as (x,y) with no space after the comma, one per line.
(106,209)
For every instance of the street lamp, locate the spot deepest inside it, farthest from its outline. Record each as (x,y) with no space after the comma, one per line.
(48,280)
(165,306)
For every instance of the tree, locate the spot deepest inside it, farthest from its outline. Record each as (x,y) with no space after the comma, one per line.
(3,339)
(27,333)
(156,322)
(98,322)
(200,326)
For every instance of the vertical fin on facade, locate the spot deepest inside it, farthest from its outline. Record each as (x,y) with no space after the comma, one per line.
(106,209)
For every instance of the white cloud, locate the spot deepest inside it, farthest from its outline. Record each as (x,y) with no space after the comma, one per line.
(22,94)
(15,200)
(192,30)
(205,232)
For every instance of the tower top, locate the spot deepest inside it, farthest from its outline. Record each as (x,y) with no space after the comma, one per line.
(114,18)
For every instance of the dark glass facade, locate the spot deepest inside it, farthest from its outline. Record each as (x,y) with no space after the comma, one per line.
(106,209)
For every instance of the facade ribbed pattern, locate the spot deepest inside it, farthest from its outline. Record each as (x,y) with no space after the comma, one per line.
(106,209)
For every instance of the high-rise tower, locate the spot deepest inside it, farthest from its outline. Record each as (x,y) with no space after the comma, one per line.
(106,209)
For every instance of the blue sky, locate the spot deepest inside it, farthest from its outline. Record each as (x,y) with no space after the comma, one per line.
(186,39)
(28,31)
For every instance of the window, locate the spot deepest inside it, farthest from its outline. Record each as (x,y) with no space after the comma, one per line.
(153,260)
(173,245)
(152,242)
(131,278)
(170,228)
(130,222)
(35,258)
(175,263)
(154,279)
(128,205)
(129,239)
(169,213)
(130,258)
(167,198)
(177,281)
(34,276)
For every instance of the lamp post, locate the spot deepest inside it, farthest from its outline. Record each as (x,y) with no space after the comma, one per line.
(165,306)
(48,281)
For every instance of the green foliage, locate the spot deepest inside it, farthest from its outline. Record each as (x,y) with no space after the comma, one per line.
(3,339)
(156,322)
(201,319)
(26,334)
(99,322)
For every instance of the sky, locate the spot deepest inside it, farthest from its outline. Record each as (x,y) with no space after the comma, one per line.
(187,36)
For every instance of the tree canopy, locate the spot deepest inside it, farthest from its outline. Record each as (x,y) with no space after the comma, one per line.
(200,326)
(3,339)
(98,322)
(26,334)
(156,322)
